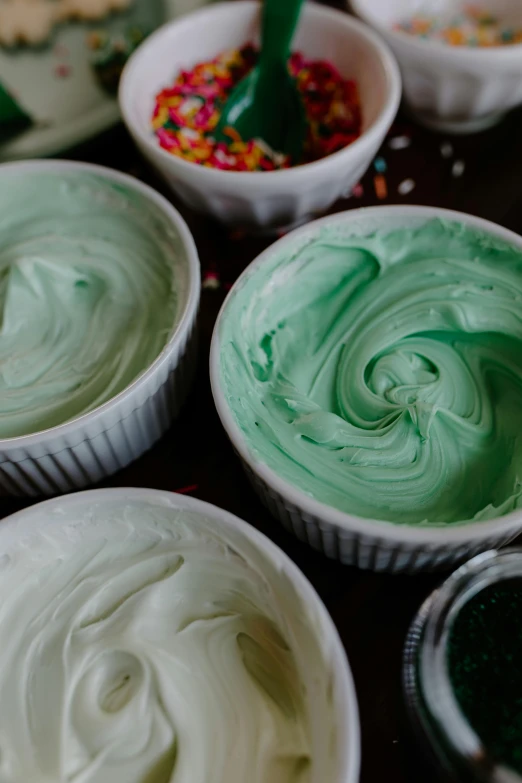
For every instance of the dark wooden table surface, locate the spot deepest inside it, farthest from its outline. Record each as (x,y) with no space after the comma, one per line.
(371,611)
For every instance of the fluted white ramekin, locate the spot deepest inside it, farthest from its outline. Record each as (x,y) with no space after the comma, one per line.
(457,89)
(366,543)
(267,199)
(95,445)
(330,686)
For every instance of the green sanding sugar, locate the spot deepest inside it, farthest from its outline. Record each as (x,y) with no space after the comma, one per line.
(485,668)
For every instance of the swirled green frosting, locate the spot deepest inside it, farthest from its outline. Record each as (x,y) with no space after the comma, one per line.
(87,294)
(382,375)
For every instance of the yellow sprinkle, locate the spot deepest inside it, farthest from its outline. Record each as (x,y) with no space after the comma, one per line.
(201,154)
(455,36)
(161,118)
(238,147)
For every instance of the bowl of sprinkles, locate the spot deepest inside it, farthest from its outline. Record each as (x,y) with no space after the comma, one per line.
(462,673)
(186,114)
(176,84)
(460,61)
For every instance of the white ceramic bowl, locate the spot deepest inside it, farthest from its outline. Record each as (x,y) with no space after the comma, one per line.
(366,543)
(262,199)
(307,618)
(456,89)
(95,445)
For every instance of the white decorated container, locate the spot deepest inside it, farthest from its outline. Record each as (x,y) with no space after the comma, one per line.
(366,543)
(96,444)
(300,607)
(271,199)
(454,89)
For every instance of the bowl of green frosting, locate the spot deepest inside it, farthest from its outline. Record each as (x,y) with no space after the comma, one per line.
(368,370)
(99,287)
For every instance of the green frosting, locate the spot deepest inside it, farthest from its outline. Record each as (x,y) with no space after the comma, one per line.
(382,375)
(87,293)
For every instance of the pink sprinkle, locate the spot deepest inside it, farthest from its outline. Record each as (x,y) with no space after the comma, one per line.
(63,71)
(358,190)
(166,140)
(176,118)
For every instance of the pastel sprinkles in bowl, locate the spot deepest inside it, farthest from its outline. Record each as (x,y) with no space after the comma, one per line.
(472,25)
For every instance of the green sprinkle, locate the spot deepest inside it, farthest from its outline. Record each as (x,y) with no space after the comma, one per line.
(485,667)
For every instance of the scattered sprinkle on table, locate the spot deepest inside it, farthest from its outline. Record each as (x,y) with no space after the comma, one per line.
(211,281)
(381,187)
(472,26)
(446,150)
(186,490)
(406,186)
(458,168)
(399,142)
(186,114)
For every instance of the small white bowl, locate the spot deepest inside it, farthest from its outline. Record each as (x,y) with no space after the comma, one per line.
(330,693)
(366,543)
(96,444)
(453,89)
(262,199)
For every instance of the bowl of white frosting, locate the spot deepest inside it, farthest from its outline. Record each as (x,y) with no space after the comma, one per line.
(368,371)
(153,637)
(99,292)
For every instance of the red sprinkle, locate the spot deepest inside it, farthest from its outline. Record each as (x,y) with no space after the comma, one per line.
(186,490)
(187,112)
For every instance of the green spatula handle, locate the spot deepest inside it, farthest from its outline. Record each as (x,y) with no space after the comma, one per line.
(277,30)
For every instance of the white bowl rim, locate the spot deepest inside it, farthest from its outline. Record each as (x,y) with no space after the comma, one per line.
(452,533)
(184,322)
(456,54)
(372,134)
(27,520)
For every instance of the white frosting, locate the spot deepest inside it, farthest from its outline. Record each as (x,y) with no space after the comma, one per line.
(32,21)
(143,648)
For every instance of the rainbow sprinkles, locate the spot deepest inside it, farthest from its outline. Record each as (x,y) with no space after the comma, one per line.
(187,113)
(472,26)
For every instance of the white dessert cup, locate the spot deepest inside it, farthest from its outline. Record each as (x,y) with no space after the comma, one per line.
(451,89)
(302,605)
(262,200)
(94,445)
(366,543)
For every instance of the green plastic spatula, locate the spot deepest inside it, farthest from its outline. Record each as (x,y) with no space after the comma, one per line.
(266,104)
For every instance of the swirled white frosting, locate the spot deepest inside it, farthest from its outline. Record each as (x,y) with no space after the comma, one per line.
(144,648)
